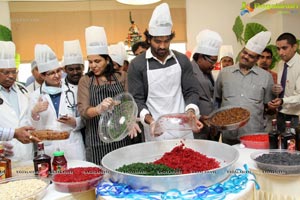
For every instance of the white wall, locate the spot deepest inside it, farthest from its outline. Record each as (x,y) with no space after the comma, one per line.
(220,15)
(4,14)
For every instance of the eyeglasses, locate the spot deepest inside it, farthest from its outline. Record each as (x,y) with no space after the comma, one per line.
(209,60)
(52,73)
(6,73)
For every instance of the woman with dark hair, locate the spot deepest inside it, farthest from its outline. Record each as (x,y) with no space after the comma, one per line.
(95,92)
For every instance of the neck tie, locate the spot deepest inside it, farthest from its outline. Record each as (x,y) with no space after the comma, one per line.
(283,80)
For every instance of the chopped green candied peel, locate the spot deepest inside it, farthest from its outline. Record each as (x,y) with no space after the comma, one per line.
(148,169)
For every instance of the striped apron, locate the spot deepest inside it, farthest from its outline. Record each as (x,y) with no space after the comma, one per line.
(95,148)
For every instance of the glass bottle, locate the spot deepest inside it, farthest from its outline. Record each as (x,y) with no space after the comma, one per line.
(5,165)
(273,135)
(42,162)
(297,129)
(289,137)
(59,163)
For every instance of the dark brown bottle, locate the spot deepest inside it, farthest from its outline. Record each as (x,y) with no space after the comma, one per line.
(5,165)
(297,129)
(273,135)
(42,162)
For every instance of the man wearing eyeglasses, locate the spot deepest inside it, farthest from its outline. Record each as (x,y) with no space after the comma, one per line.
(13,100)
(53,105)
(204,59)
(246,85)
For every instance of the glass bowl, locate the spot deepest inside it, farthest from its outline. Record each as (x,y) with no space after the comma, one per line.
(115,124)
(23,188)
(277,161)
(256,141)
(77,186)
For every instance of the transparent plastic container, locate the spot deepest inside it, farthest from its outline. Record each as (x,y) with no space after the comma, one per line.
(256,141)
(115,124)
(23,188)
(176,124)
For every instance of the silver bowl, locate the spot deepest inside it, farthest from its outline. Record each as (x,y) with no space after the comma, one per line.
(232,126)
(151,151)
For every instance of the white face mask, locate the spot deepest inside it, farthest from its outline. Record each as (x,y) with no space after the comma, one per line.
(51,90)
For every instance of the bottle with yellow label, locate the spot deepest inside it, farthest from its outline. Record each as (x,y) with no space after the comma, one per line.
(5,165)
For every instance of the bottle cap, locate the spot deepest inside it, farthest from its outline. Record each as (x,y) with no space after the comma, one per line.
(58,153)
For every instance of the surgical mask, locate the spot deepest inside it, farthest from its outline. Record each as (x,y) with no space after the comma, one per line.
(51,90)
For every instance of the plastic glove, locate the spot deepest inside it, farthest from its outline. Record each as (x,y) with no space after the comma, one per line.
(197,125)
(155,129)
(106,104)
(69,120)
(134,130)
(277,89)
(40,106)
(8,149)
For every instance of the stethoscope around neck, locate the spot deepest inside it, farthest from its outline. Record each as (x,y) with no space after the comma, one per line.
(21,88)
(69,95)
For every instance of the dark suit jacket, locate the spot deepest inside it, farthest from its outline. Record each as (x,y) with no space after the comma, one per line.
(206,99)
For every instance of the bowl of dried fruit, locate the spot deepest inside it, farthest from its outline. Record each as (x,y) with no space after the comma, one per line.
(78,179)
(277,161)
(229,118)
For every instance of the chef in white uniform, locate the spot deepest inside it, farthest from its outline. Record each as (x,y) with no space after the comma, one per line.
(161,79)
(49,102)
(13,100)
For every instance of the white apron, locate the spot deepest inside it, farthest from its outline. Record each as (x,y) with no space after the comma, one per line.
(164,97)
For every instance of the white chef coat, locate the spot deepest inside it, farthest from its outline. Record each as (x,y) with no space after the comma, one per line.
(73,147)
(9,118)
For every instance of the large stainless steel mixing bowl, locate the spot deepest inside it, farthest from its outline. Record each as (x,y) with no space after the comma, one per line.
(151,151)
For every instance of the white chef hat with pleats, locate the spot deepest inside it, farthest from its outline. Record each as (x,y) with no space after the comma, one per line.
(161,22)
(96,41)
(45,58)
(117,52)
(208,42)
(226,51)
(72,53)
(7,54)
(259,42)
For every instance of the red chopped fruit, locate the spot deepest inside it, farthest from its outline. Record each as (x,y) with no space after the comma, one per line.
(78,174)
(187,160)
(256,138)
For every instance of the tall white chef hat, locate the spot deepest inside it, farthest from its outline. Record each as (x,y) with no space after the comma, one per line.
(7,54)
(72,53)
(45,58)
(118,53)
(96,42)
(258,42)
(33,64)
(226,51)
(208,42)
(161,22)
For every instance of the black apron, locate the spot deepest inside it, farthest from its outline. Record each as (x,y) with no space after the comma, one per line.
(95,148)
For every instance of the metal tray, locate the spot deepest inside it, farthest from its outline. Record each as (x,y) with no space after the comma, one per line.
(229,126)
(151,151)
